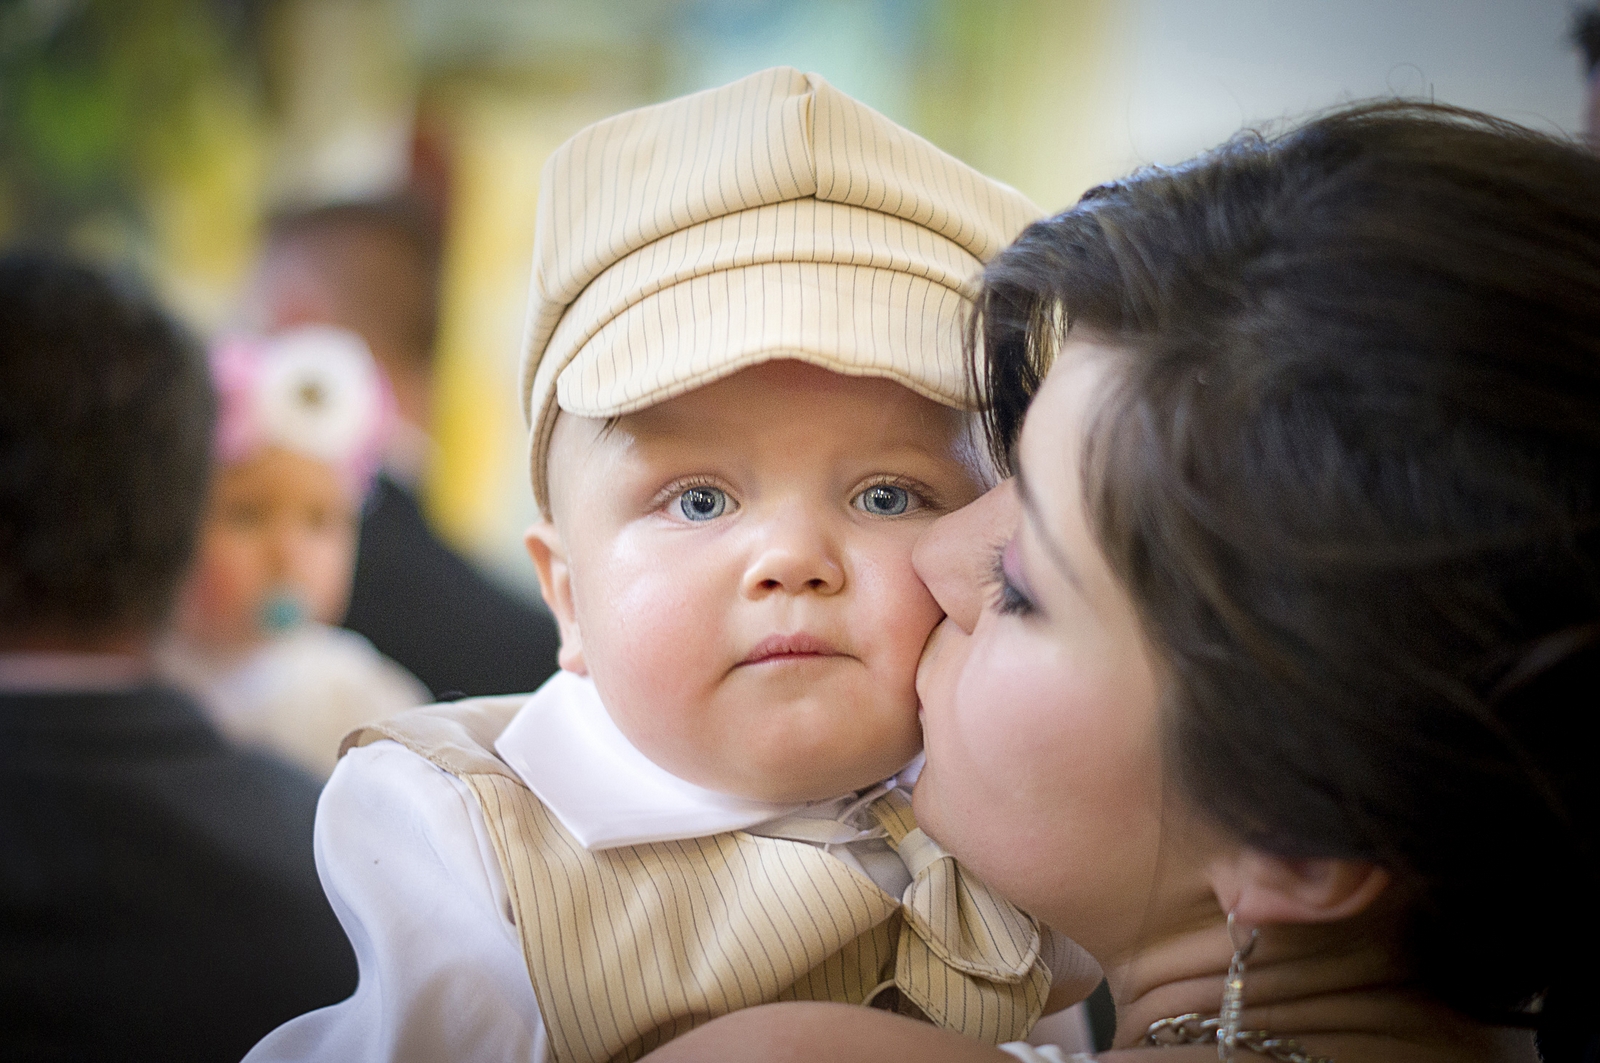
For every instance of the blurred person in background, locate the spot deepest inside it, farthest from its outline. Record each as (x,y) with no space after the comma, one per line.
(373,268)
(302,421)
(1586,34)
(158,896)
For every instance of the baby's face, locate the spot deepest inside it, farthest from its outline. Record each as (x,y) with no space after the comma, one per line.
(279,536)
(733,568)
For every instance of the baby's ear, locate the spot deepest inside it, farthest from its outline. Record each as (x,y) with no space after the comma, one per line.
(555,583)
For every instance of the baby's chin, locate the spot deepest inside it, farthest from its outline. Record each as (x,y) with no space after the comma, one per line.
(768,742)
(813,776)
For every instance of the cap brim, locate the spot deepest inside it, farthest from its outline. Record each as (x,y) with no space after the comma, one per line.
(850,319)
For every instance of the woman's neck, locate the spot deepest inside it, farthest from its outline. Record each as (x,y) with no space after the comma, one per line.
(1336,989)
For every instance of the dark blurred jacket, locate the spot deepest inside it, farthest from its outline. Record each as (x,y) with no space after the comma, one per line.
(425,606)
(158,895)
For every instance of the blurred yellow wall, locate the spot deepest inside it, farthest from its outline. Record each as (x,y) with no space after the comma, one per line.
(478,488)
(204,206)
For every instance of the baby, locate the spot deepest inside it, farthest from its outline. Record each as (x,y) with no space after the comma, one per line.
(301,422)
(747,399)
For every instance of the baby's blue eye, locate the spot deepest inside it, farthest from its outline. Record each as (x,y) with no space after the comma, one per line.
(703,503)
(884,500)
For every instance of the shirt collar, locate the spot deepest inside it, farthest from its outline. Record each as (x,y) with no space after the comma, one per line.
(563,744)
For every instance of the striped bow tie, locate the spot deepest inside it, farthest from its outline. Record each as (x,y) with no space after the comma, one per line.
(969,959)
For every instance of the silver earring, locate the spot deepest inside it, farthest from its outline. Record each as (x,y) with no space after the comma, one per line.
(1233,991)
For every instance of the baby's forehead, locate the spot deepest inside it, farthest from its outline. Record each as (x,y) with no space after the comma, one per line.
(781,406)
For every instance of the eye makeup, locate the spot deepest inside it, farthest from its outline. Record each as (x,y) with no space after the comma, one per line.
(1009,597)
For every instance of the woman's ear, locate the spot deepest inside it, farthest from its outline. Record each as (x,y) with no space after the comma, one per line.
(1261,888)
(555,584)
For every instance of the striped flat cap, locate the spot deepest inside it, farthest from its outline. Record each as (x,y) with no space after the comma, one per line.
(771,218)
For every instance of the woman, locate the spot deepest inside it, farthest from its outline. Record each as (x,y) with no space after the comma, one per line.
(1279,652)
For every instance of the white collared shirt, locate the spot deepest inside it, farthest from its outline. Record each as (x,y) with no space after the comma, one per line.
(405,857)
(565,747)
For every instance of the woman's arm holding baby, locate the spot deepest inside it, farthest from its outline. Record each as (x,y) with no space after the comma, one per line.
(809,1031)
(803,1032)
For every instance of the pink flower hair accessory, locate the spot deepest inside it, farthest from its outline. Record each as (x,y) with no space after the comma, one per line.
(315,390)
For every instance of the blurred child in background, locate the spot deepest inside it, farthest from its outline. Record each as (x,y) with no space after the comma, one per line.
(302,424)
(373,267)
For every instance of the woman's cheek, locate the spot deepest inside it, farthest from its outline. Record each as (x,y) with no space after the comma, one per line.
(994,698)
(958,700)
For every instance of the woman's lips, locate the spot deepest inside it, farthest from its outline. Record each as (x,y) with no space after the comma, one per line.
(798,647)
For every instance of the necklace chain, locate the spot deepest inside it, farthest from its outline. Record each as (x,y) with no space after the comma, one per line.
(1194,1028)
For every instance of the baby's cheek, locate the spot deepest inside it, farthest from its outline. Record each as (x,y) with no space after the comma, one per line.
(896,614)
(649,643)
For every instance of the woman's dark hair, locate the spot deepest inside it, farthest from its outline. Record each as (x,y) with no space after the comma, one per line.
(1348,467)
(106,412)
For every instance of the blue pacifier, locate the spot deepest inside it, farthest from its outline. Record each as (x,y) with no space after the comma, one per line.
(280,612)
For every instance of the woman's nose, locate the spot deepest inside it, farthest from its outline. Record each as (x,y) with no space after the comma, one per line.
(793,555)
(956,556)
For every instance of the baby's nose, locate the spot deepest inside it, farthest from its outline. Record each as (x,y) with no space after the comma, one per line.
(794,560)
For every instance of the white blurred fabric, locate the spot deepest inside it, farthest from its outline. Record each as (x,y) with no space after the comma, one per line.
(1027,1053)
(299,694)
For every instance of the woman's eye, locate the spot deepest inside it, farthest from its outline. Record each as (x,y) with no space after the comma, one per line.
(884,500)
(703,503)
(1009,598)
(1010,601)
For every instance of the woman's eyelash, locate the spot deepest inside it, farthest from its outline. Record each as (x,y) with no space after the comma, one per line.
(1008,599)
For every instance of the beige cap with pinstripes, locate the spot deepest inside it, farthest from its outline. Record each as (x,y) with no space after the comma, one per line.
(771,218)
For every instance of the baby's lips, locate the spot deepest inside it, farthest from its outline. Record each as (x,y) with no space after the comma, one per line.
(797,644)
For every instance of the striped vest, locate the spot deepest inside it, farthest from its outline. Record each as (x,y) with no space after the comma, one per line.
(630,947)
